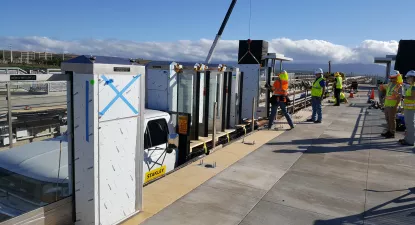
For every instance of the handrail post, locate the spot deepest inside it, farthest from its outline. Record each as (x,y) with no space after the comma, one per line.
(253,115)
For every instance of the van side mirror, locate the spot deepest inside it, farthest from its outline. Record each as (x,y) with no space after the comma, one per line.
(172,142)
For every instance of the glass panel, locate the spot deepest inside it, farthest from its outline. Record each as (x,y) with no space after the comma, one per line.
(215,95)
(185,89)
(34,169)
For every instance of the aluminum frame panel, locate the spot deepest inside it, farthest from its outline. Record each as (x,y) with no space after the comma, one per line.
(234,98)
(97,153)
(250,88)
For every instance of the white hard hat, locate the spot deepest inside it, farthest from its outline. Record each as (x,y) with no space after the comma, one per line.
(410,73)
(319,70)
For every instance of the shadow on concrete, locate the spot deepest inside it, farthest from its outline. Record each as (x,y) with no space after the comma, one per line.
(368,138)
(387,146)
(399,211)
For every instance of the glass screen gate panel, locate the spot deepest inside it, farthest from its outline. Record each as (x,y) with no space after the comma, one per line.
(185,93)
(189,97)
(215,95)
(34,114)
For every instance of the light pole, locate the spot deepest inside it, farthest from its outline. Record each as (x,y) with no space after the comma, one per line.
(11,53)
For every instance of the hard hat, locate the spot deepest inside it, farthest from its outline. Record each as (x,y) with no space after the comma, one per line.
(399,80)
(337,74)
(410,73)
(319,70)
(394,74)
(283,72)
(283,75)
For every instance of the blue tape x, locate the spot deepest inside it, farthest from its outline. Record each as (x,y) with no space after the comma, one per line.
(119,94)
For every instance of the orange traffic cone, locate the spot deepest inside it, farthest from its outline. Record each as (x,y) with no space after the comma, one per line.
(372,95)
(351,94)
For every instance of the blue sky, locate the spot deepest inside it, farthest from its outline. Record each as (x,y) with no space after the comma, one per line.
(346,31)
(342,22)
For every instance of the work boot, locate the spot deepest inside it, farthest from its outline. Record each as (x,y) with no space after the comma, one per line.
(384,133)
(390,135)
(310,120)
(317,121)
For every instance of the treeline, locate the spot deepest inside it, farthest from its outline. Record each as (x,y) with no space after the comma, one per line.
(54,61)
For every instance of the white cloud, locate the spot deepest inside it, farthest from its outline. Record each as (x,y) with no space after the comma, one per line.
(304,51)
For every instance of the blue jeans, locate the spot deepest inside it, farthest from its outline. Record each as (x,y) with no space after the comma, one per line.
(316,106)
(284,112)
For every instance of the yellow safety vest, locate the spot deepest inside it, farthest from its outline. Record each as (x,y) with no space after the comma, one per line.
(317,89)
(339,83)
(342,97)
(408,103)
(391,96)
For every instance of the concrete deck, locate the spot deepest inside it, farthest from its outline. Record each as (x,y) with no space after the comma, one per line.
(337,172)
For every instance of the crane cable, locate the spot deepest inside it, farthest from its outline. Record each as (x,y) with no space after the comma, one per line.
(249,35)
(250,17)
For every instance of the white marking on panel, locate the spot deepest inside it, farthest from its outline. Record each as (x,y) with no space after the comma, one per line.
(117,168)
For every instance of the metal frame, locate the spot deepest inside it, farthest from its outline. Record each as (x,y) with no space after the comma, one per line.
(206,104)
(229,94)
(196,101)
(71,149)
(225,101)
(385,60)
(268,98)
(241,85)
(70,108)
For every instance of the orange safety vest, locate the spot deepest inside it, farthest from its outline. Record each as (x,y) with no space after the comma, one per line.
(281,87)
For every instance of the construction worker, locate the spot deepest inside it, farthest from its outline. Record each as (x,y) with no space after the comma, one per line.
(342,98)
(409,110)
(338,87)
(279,98)
(392,101)
(317,92)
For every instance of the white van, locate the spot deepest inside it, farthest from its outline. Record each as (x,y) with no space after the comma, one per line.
(33,183)
(158,159)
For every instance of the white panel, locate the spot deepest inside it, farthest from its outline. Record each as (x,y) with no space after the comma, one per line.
(117,145)
(84,96)
(108,163)
(112,107)
(157,100)
(157,79)
(250,88)
(162,84)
